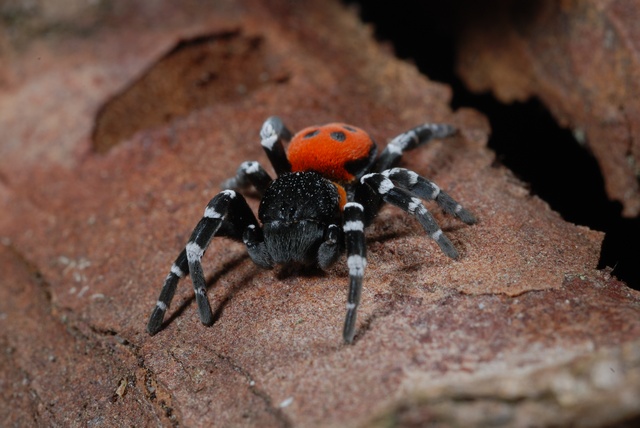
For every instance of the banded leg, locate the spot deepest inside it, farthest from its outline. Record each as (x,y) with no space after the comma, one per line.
(409,140)
(273,133)
(227,214)
(178,270)
(249,173)
(356,261)
(404,200)
(426,189)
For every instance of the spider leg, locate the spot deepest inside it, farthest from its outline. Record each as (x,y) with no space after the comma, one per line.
(250,173)
(409,140)
(178,270)
(356,261)
(428,190)
(273,133)
(227,214)
(404,200)
(329,250)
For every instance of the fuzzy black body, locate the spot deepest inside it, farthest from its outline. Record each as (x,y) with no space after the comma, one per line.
(296,213)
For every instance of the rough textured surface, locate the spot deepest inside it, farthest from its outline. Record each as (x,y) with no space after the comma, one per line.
(521,322)
(581,58)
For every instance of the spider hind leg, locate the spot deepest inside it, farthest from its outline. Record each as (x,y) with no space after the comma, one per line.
(273,135)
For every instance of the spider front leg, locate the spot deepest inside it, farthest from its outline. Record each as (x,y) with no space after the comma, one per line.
(404,200)
(356,261)
(227,214)
(428,190)
(409,140)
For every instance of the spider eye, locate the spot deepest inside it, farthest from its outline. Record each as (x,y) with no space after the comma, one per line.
(311,134)
(338,136)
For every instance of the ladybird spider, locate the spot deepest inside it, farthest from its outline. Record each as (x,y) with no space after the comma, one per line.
(329,187)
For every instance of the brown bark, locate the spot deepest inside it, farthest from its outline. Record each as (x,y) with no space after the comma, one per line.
(109,154)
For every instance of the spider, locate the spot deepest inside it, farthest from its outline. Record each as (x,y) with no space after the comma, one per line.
(330,185)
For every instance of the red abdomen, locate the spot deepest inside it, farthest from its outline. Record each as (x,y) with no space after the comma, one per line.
(337,151)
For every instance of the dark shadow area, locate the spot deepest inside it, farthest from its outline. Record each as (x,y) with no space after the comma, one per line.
(525,136)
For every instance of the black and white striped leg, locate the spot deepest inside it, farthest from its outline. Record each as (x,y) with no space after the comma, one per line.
(178,270)
(404,200)
(227,214)
(409,140)
(426,189)
(356,261)
(249,173)
(273,134)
